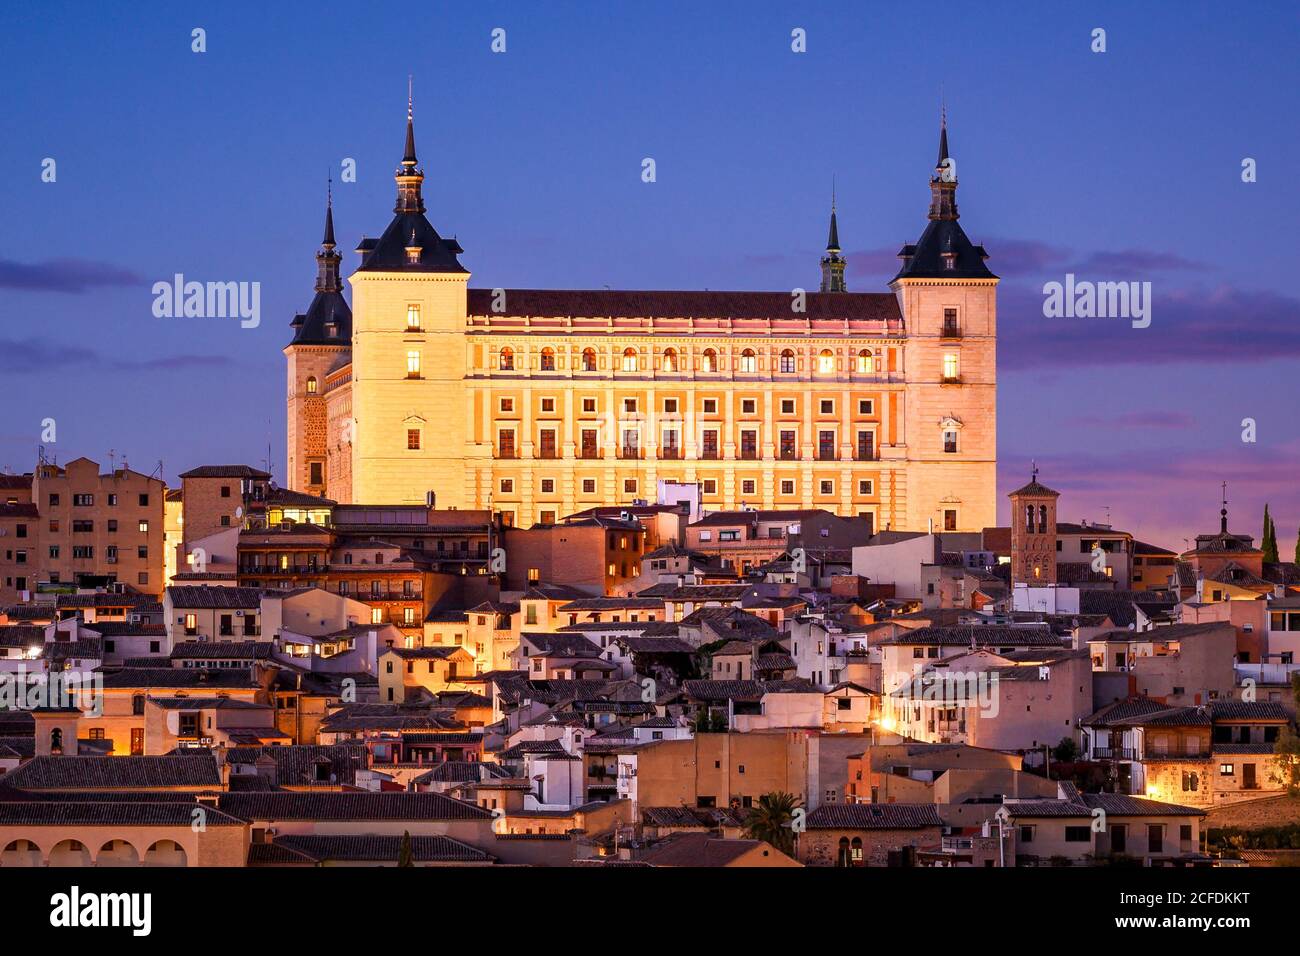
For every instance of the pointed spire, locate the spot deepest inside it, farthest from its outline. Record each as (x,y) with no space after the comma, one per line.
(1223,513)
(409,159)
(943,136)
(409,175)
(328,241)
(833,240)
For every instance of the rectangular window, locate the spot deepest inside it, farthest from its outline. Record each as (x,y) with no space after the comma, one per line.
(710,406)
(787,487)
(789,445)
(413,364)
(827,487)
(748,406)
(866,406)
(950,441)
(709,444)
(507,405)
(670,406)
(949,519)
(412,317)
(548,406)
(413,439)
(826,446)
(588,486)
(866,446)
(710,488)
(865,486)
(506,443)
(631,444)
(589,406)
(787,406)
(827,406)
(546,444)
(749,444)
(548,486)
(83,501)
(588,447)
(950,370)
(507,487)
(317,473)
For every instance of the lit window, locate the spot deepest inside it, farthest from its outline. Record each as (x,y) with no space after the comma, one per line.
(507,359)
(950,365)
(376,615)
(748,361)
(412,364)
(589,360)
(630,363)
(826,361)
(412,316)
(548,360)
(670,360)
(311,385)
(864,361)
(709,361)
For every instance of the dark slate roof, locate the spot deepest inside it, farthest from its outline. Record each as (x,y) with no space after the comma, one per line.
(606,303)
(874,816)
(388,252)
(1115,805)
(61,773)
(690,817)
(988,635)
(151,814)
(226,471)
(371,847)
(197,596)
(327,307)
(750,690)
(221,650)
(925,257)
(462,771)
(296,764)
(561,645)
(330,805)
(228,678)
(701,849)
(1123,710)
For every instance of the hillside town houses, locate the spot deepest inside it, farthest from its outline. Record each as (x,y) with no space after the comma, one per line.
(330,684)
(629,579)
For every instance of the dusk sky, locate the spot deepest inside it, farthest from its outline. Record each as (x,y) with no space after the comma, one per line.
(1123,165)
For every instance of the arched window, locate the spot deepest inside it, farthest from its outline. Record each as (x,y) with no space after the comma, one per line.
(311,384)
(864,361)
(709,361)
(56,741)
(589,360)
(856,853)
(548,360)
(507,359)
(630,363)
(670,360)
(826,362)
(842,859)
(787,360)
(748,361)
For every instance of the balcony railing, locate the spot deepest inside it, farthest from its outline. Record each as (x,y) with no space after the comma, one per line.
(630,453)
(1114,753)
(670,454)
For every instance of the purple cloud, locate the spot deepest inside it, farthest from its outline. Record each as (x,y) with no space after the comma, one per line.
(1137,420)
(64,275)
(35,357)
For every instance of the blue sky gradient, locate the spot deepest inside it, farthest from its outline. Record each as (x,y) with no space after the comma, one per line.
(1122,165)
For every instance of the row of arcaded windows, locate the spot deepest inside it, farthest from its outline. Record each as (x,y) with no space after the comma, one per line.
(865,361)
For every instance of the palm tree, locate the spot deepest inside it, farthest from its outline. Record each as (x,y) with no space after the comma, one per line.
(771,820)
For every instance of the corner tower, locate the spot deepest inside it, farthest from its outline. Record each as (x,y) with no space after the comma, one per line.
(948,298)
(408,355)
(322,343)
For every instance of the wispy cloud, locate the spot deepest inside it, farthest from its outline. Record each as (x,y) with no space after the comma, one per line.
(35,357)
(1221,325)
(72,276)
(1137,420)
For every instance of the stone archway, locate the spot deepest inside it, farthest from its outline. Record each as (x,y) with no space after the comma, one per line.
(117,853)
(22,853)
(70,853)
(166,853)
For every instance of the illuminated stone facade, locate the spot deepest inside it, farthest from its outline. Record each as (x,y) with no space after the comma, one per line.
(541,403)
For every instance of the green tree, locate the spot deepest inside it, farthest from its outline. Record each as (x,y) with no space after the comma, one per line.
(1269,545)
(1287,749)
(1297,549)
(771,818)
(405,856)
(1065,751)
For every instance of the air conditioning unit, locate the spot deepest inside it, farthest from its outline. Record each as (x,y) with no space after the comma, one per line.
(135,618)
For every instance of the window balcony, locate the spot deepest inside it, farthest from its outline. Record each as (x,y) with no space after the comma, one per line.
(628,453)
